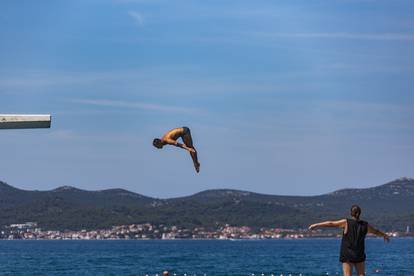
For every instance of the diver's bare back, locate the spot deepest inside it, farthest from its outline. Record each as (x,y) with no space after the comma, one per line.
(173,134)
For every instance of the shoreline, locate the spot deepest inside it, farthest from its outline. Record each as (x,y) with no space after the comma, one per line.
(226,240)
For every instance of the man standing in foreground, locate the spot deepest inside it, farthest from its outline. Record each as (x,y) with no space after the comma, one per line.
(171,137)
(353,240)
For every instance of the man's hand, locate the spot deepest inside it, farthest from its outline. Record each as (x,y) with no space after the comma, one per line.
(313,227)
(191,150)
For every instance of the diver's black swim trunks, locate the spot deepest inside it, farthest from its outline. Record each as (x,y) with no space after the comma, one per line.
(186,130)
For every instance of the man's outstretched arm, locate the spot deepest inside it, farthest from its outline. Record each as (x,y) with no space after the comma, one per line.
(330,223)
(191,150)
(378,233)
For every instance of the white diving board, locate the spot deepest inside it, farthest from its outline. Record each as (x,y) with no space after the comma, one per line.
(19,121)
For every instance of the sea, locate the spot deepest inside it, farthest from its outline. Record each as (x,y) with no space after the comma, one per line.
(198,257)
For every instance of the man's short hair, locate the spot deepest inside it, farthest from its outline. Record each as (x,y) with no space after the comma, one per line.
(157,143)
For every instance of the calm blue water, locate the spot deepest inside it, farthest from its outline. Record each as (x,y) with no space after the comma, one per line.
(308,257)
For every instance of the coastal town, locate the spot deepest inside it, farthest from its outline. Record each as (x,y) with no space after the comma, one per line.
(148,231)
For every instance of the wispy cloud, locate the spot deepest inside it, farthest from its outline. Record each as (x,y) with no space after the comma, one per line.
(352,107)
(154,80)
(40,79)
(88,137)
(137,17)
(362,67)
(135,105)
(342,35)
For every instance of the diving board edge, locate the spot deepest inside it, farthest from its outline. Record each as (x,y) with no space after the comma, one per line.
(22,121)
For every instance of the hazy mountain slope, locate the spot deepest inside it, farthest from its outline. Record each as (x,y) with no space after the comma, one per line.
(390,205)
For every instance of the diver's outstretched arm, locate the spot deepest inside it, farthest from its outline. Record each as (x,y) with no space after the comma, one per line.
(337,223)
(378,233)
(178,145)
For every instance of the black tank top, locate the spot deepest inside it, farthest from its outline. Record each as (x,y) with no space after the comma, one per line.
(353,242)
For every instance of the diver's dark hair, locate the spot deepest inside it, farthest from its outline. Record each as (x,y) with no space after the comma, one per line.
(355,211)
(157,143)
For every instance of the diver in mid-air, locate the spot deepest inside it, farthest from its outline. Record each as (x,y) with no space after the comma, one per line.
(171,137)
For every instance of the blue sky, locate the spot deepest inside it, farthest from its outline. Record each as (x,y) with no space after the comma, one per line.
(297,97)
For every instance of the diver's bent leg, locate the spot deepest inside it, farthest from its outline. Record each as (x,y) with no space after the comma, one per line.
(188,139)
(195,160)
(347,269)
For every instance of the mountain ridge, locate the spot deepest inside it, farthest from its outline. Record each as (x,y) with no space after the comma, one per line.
(66,207)
(398,181)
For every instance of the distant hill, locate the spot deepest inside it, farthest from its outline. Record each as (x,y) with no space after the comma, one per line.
(390,206)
